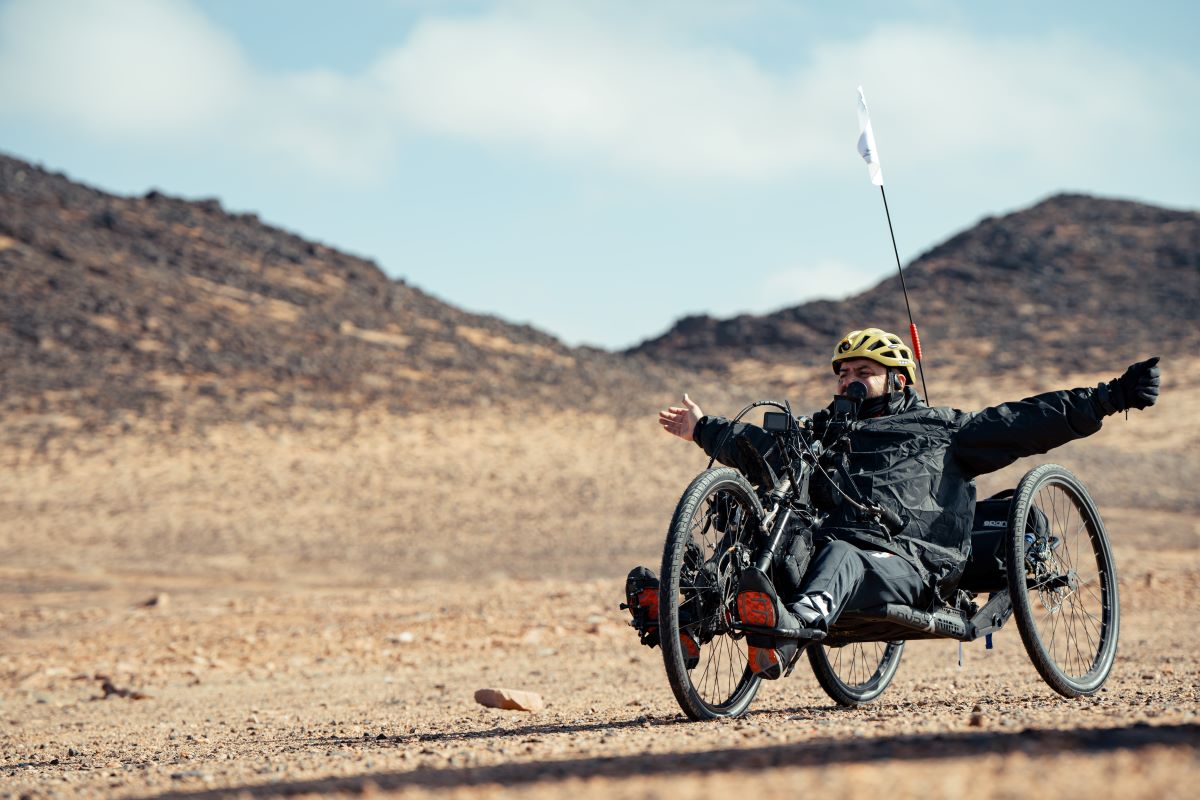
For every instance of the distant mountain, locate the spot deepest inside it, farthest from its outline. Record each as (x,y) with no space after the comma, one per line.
(113,306)
(1075,283)
(115,309)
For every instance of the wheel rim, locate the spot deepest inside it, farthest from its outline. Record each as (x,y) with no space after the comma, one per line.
(717,547)
(1068,584)
(858,665)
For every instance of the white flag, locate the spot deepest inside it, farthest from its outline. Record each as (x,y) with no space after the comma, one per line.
(866,142)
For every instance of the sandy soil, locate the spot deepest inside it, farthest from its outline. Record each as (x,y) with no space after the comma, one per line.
(329,600)
(278,691)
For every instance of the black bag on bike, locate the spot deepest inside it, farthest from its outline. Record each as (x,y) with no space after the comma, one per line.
(791,562)
(986,570)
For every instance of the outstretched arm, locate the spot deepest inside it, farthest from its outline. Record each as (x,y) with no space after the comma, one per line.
(717,436)
(996,437)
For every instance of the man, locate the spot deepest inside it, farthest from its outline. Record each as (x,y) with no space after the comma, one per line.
(910,459)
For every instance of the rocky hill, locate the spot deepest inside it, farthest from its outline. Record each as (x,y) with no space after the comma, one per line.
(117,309)
(1073,284)
(113,308)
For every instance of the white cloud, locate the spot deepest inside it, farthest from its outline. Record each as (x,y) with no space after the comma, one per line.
(939,94)
(327,122)
(578,87)
(823,280)
(157,71)
(137,67)
(586,88)
(582,83)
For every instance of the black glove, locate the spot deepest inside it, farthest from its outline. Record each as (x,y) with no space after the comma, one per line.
(1137,388)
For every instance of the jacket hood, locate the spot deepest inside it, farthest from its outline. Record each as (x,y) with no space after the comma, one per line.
(905,400)
(890,403)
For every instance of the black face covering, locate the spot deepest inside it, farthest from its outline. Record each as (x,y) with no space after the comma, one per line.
(856,405)
(874,406)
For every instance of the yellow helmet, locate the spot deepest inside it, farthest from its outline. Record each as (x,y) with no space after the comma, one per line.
(879,346)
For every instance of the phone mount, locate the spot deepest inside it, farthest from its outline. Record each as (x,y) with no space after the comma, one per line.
(845,410)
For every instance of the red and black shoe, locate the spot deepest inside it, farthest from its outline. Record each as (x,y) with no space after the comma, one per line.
(691,649)
(757,604)
(641,599)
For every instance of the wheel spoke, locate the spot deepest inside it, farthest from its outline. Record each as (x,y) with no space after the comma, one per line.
(1068,613)
(854,673)
(1086,628)
(706,549)
(1072,649)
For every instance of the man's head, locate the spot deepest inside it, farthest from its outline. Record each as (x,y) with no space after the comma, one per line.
(875,358)
(870,374)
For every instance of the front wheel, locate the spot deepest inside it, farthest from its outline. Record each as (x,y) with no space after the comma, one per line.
(855,673)
(1063,581)
(710,541)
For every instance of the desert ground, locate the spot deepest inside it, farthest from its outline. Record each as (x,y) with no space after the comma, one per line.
(308,610)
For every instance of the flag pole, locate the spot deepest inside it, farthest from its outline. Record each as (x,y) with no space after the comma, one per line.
(912,326)
(870,154)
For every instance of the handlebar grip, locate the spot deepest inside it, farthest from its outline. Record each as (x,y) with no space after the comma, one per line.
(891,520)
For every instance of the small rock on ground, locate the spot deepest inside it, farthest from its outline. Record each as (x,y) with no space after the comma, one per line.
(510,699)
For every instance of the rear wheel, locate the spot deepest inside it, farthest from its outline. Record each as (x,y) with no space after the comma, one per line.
(855,673)
(711,538)
(1063,581)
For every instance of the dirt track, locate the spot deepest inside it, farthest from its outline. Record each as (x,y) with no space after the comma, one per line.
(314,640)
(325,691)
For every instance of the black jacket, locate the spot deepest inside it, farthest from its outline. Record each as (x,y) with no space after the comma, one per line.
(920,462)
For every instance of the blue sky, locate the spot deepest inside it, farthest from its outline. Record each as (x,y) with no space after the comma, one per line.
(599,169)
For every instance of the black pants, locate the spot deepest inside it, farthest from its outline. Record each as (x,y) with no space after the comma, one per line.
(857,579)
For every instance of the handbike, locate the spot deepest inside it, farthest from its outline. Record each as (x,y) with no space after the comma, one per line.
(1051,567)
